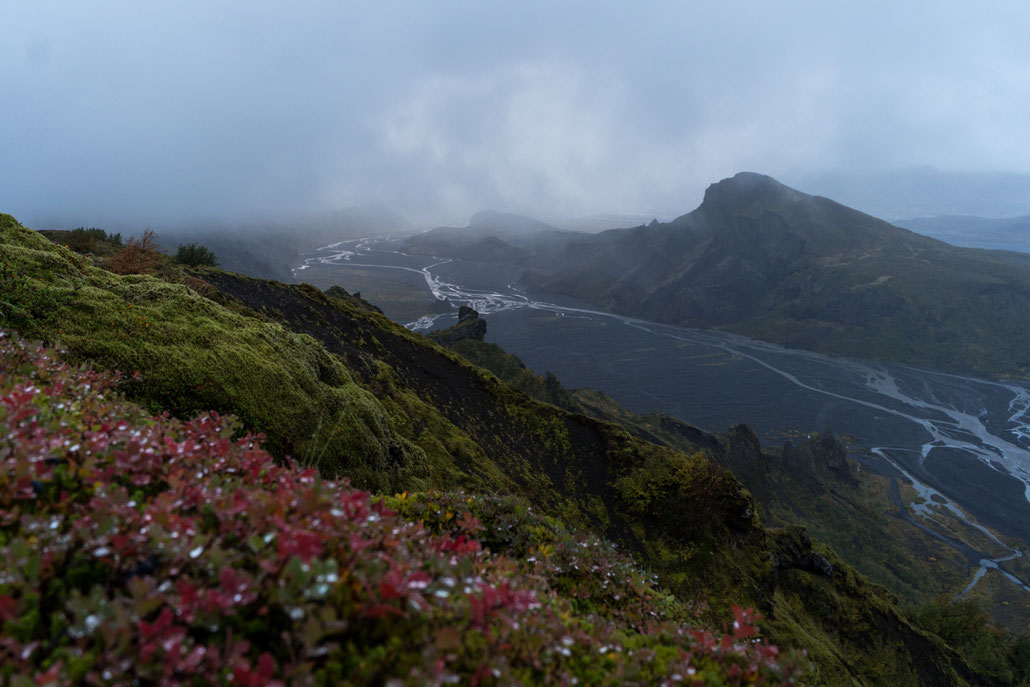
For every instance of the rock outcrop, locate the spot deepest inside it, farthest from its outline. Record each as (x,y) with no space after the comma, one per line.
(470,326)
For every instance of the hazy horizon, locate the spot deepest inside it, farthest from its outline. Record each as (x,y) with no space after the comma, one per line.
(119,115)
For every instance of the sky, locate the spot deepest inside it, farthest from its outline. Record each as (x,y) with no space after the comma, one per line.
(118,113)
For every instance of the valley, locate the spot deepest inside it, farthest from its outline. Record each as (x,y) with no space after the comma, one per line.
(962,442)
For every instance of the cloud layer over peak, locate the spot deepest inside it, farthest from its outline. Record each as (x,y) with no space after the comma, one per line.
(120,112)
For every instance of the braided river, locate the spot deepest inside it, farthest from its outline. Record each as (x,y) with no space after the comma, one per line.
(962,442)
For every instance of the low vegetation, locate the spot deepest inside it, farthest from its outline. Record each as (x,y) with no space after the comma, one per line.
(852,510)
(144,548)
(964,625)
(345,391)
(195,354)
(91,240)
(195,255)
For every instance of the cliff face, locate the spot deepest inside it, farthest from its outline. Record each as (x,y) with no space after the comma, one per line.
(470,326)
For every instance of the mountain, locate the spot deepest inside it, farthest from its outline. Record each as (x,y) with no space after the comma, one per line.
(773,263)
(1011,233)
(490,237)
(337,386)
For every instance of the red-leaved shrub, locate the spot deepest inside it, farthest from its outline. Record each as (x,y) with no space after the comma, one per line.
(146,550)
(140,255)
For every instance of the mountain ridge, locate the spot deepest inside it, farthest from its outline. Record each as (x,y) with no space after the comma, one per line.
(490,236)
(767,261)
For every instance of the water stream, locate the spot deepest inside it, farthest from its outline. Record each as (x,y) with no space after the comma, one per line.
(943,416)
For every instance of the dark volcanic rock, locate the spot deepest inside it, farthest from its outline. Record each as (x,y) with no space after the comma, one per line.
(440,305)
(795,552)
(470,326)
(745,460)
(339,293)
(822,456)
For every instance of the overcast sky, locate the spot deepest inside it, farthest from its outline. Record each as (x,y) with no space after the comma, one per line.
(170,112)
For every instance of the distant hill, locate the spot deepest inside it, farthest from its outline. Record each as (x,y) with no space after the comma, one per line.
(491,237)
(1010,233)
(768,261)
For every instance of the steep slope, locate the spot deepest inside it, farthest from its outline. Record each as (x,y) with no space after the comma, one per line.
(768,261)
(428,419)
(141,549)
(193,353)
(649,499)
(810,482)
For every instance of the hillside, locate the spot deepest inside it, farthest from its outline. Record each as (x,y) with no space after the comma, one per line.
(770,262)
(493,237)
(341,388)
(843,494)
(283,578)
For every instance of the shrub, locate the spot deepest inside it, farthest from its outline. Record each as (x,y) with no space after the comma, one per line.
(965,625)
(194,255)
(140,256)
(83,240)
(146,550)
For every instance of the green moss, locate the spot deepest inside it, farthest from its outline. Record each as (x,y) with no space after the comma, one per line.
(194,354)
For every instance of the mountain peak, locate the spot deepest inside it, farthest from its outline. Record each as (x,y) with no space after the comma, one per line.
(748,188)
(483,216)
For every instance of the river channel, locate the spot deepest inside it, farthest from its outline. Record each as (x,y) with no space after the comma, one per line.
(964,439)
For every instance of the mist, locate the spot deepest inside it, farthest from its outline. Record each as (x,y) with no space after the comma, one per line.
(120,115)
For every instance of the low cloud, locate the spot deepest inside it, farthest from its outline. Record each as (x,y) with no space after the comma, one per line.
(119,113)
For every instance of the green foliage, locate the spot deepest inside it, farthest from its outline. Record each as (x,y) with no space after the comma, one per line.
(480,434)
(964,625)
(686,493)
(87,241)
(413,416)
(193,354)
(91,240)
(144,549)
(700,553)
(25,304)
(195,255)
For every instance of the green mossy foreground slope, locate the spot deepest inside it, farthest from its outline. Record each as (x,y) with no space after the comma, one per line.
(193,354)
(165,553)
(345,389)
